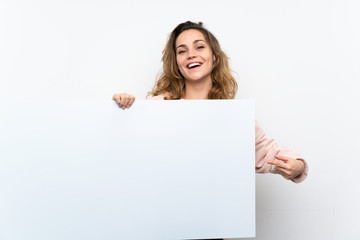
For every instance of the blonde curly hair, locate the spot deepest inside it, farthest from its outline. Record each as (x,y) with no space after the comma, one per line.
(171,83)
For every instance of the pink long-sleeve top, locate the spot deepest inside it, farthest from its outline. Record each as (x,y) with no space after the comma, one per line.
(265,150)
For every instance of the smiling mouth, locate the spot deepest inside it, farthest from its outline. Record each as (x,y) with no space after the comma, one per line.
(193,65)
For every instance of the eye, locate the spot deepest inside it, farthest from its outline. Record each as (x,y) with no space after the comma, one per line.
(181,52)
(200,47)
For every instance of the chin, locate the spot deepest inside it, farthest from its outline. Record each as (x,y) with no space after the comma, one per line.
(195,79)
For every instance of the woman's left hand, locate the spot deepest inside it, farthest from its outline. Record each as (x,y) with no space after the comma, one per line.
(287,167)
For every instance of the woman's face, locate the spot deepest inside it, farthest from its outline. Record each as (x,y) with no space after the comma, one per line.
(194,56)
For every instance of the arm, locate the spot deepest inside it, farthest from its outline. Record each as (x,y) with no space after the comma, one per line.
(270,157)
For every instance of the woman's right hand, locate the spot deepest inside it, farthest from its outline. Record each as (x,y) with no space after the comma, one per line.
(124,100)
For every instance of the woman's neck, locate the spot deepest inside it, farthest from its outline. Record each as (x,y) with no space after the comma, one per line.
(197,89)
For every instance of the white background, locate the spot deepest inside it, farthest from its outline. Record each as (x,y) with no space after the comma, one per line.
(299,60)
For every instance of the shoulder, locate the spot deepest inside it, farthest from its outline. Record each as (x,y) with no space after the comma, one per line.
(158,97)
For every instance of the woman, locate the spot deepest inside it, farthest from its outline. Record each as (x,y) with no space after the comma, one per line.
(195,67)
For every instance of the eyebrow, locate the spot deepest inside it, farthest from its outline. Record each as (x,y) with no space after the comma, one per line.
(196,41)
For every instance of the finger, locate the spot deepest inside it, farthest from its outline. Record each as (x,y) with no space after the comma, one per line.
(282,158)
(131,101)
(286,177)
(279,164)
(285,172)
(280,170)
(122,101)
(116,98)
(127,100)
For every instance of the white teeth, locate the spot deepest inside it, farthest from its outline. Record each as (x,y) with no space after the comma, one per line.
(193,65)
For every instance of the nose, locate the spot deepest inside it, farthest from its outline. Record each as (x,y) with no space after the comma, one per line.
(191,54)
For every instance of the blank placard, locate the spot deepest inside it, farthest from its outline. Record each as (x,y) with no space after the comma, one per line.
(160,170)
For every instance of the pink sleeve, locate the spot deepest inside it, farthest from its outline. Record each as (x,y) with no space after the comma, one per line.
(266,149)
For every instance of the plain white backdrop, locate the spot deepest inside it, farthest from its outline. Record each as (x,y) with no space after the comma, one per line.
(299,60)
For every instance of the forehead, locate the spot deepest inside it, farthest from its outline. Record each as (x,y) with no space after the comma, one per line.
(187,37)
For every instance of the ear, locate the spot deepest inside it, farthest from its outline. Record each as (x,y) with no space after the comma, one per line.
(213,63)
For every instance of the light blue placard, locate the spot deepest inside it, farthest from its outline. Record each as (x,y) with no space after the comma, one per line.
(160,170)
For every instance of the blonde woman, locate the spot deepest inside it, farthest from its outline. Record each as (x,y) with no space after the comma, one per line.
(195,67)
